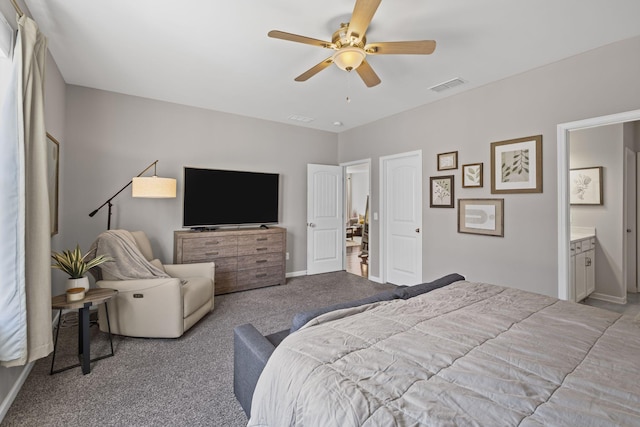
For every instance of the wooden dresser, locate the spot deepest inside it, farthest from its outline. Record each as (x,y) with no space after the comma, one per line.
(245,258)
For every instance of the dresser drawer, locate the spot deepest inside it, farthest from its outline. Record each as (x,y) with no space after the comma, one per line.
(248,279)
(196,250)
(225,282)
(259,261)
(225,264)
(261,248)
(260,243)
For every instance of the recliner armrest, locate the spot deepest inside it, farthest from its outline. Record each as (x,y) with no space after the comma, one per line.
(139,284)
(184,271)
(251,351)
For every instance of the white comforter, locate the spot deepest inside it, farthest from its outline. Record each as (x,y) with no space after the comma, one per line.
(469,354)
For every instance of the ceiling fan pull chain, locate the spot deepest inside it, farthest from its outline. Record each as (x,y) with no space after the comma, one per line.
(348,87)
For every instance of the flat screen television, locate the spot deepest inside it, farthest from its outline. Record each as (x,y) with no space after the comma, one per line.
(214,197)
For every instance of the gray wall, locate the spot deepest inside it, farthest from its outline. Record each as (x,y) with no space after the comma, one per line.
(112,137)
(596,83)
(603,146)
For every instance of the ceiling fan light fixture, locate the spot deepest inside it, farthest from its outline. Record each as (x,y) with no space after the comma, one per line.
(349,58)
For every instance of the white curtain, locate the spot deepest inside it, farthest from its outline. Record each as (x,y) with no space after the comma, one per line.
(25,245)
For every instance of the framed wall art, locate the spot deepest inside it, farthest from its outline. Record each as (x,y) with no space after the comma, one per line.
(442,191)
(53,172)
(516,165)
(481,216)
(448,161)
(585,185)
(472,175)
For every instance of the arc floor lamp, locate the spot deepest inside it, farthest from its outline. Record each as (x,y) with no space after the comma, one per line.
(148,187)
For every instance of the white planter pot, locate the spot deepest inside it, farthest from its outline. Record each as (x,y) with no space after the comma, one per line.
(82,282)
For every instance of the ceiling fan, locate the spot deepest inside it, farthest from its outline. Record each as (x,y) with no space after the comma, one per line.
(351,48)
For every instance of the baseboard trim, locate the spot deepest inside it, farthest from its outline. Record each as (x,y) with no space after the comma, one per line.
(375,279)
(297,273)
(26,370)
(304,273)
(13,393)
(608,298)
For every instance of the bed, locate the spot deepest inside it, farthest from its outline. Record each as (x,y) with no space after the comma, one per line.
(468,354)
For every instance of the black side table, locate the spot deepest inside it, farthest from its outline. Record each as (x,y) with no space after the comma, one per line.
(92,296)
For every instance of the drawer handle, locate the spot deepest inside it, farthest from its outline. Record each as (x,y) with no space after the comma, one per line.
(261,249)
(261,261)
(261,275)
(212,253)
(212,242)
(262,239)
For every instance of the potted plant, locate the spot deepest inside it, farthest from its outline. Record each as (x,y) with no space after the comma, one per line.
(76,266)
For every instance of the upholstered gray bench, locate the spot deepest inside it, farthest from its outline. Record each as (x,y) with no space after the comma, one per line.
(251,349)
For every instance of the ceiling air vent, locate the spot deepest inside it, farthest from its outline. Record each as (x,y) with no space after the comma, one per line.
(447,85)
(302,119)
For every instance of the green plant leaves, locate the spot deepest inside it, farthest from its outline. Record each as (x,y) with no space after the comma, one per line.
(74,264)
(518,164)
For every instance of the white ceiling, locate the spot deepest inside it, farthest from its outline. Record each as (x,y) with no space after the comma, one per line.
(216,55)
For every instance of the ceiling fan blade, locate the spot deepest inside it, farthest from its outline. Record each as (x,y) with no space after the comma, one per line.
(368,76)
(314,70)
(417,47)
(299,39)
(361,17)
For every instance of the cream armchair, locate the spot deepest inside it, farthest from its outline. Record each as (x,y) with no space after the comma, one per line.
(162,307)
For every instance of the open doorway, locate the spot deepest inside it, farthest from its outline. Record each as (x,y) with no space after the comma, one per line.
(356,212)
(569,216)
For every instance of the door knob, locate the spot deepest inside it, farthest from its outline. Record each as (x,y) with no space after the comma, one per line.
(628,230)
(310,224)
(417,230)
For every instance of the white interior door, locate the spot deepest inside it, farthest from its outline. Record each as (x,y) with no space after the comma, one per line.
(325,227)
(402,209)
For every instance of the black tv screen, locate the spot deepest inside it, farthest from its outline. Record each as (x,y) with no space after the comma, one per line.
(222,197)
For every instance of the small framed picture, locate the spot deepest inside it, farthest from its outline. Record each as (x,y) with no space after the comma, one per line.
(448,161)
(472,175)
(586,186)
(481,216)
(442,190)
(516,165)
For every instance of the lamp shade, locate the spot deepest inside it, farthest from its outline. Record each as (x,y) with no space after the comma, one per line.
(153,187)
(349,58)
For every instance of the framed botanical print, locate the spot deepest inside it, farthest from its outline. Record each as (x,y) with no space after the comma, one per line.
(442,191)
(585,186)
(472,175)
(448,161)
(516,165)
(481,216)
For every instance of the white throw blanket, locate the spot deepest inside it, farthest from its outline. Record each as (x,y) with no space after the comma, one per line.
(129,262)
